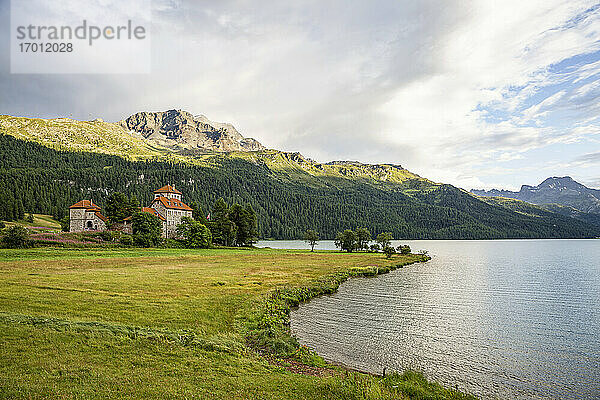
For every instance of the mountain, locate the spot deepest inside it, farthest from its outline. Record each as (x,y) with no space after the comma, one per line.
(563,191)
(180,130)
(47,165)
(167,136)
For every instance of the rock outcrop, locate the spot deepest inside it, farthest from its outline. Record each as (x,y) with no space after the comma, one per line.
(180,130)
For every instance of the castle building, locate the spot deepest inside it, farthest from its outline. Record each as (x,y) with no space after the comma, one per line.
(166,205)
(85,216)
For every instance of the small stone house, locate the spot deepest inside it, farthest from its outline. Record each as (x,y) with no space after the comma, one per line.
(85,216)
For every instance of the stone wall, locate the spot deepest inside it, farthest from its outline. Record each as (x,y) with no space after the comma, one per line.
(82,220)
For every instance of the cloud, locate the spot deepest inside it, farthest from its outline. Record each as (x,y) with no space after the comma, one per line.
(484,100)
(586,160)
(445,89)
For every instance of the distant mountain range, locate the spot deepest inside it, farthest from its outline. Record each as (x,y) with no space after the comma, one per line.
(562,195)
(49,164)
(563,191)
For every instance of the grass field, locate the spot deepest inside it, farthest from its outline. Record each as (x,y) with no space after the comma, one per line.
(164,323)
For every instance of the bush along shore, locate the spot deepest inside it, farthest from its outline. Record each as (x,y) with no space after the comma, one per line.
(267,331)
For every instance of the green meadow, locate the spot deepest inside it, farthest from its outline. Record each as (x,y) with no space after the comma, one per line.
(171,323)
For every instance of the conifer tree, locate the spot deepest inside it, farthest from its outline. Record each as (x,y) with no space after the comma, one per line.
(196,211)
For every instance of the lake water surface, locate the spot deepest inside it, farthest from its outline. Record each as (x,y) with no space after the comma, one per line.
(500,319)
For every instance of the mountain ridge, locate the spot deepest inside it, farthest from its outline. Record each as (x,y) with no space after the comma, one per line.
(563,191)
(142,138)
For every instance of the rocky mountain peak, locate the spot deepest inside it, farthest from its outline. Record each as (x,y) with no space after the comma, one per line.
(181,130)
(560,182)
(563,190)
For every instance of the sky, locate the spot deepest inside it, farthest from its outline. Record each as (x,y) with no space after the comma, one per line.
(482,94)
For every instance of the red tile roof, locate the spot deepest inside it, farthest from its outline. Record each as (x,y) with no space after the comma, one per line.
(152,211)
(173,203)
(167,189)
(102,217)
(87,204)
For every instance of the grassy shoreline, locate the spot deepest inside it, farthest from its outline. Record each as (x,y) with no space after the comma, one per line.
(268,331)
(173,323)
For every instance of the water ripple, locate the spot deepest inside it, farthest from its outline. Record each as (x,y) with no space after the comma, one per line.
(500,319)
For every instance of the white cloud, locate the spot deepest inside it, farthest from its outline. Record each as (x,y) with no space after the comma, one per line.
(444,88)
(500,47)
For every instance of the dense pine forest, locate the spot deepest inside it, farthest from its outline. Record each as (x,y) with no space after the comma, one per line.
(38,179)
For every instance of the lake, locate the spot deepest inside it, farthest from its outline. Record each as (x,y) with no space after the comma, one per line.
(499,319)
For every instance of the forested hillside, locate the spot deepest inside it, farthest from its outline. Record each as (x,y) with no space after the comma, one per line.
(543,210)
(45,180)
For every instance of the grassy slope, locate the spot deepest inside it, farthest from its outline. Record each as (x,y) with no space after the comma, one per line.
(72,135)
(293,167)
(116,324)
(42,220)
(518,206)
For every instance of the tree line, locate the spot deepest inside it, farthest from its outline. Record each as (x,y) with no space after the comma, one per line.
(359,240)
(233,225)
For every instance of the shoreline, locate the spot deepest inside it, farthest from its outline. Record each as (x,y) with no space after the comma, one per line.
(269,326)
(299,359)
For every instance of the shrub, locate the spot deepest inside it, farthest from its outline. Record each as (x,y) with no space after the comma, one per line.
(403,249)
(29,218)
(147,229)
(346,240)
(173,244)
(2,225)
(16,237)
(146,239)
(384,239)
(389,251)
(107,236)
(363,237)
(126,240)
(195,234)
(374,248)
(65,224)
